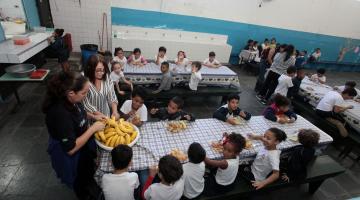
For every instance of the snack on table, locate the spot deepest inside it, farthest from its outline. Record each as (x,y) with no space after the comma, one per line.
(293,138)
(239,120)
(217,146)
(176,126)
(310,88)
(178,154)
(248,144)
(116,132)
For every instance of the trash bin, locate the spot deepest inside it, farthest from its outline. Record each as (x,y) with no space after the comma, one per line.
(87,50)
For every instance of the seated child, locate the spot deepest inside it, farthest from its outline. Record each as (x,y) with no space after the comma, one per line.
(134,110)
(166,78)
(300,59)
(195,75)
(136,58)
(285,81)
(117,76)
(119,56)
(231,110)
(267,160)
(121,184)
(227,168)
(160,57)
(279,111)
(349,84)
(172,112)
(293,167)
(171,184)
(194,172)
(319,77)
(211,61)
(181,60)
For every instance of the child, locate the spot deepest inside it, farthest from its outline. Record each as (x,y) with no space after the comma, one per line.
(319,77)
(194,172)
(349,84)
(294,166)
(119,56)
(136,58)
(293,92)
(315,56)
(195,76)
(166,79)
(121,184)
(285,81)
(117,76)
(181,60)
(267,160)
(134,110)
(279,111)
(300,59)
(211,61)
(160,57)
(172,112)
(227,168)
(171,185)
(231,110)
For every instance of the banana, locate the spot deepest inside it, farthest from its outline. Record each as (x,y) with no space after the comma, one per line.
(127,139)
(113,141)
(118,141)
(126,127)
(108,141)
(102,136)
(109,134)
(133,136)
(109,130)
(97,136)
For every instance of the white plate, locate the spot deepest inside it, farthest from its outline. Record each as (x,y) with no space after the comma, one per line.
(103,146)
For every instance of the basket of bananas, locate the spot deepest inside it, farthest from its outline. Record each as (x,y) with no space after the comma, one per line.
(115,133)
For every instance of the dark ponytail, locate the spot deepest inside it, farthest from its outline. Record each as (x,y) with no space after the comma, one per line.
(289,50)
(279,134)
(58,87)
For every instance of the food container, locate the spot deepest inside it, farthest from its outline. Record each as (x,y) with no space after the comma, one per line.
(21,40)
(103,146)
(21,70)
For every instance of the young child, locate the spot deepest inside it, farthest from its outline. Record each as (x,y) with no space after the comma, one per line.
(181,61)
(231,110)
(160,57)
(211,61)
(136,58)
(119,56)
(293,92)
(166,79)
(134,110)
(171,185)
(227,168)
(349,84)
(315,56)
(300,59)
(121,184)
(319,77)
(195,76)
(293,167)
(285,81)
(267,160)
(279,111)
(194,172)
(117,76)
(173,111)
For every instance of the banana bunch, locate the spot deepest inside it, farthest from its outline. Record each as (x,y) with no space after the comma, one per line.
(116,132)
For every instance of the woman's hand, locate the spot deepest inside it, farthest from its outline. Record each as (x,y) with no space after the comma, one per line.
(97,126)
(258,185)
(116,115)
(98,116)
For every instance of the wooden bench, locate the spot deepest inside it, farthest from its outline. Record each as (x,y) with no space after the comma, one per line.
(320,169)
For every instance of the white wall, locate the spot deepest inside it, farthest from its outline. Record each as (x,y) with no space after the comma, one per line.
(8,9)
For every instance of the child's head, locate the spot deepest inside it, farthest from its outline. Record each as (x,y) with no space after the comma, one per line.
(181,54)
(349,93)
(350,84)
(234,145)
(303,53)
(212,56)
(164,67)
(300,73)
(58,32)
(297,53)
(162,51)
(250,42)
(272,137)
(170,169)
(119,52)
(282,102)
(273,41)
(255,43)
(137,52)
(266,41)
(116,67)
(320,72)
(195,66)
(196,153)
(308,137)
(175,104)
(121,156)
(291,71)
(233,101)
(138,97)
(317,50)
(282,47)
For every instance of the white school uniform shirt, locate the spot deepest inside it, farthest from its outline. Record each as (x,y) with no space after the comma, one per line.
(184,63)
(159,191)
(207,61)
(161,60)
(285,82)
(342,88)
(141,112)
(265,162)
(316,78)
(227,176)
(331,99)
(123,60)
(120,186)
(316,55)
(193,179)
(116,77)
(194,80)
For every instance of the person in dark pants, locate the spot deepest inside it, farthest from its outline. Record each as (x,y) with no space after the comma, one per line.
(58,49)
(71,145)
(293,92)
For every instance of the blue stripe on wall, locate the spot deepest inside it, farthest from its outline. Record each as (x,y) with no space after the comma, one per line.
(238,33)
(31,12)
(2,34)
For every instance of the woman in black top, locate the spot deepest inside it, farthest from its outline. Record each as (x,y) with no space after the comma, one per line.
(71,145)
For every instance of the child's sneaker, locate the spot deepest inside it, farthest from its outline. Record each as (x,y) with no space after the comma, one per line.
(259,97)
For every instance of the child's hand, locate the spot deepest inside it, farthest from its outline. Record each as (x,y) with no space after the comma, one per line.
(258,185)
(153,111)
(285,178)
(251,136)
(132,113)
(153,170)
(188,117)
(136,121)
(292,120)
(231,121)
(242,114)
(282,120)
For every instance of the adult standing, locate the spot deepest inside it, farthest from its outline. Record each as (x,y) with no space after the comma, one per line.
(101,96)
(71,145)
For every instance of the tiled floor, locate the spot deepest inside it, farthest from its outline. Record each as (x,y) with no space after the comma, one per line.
(26,173)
